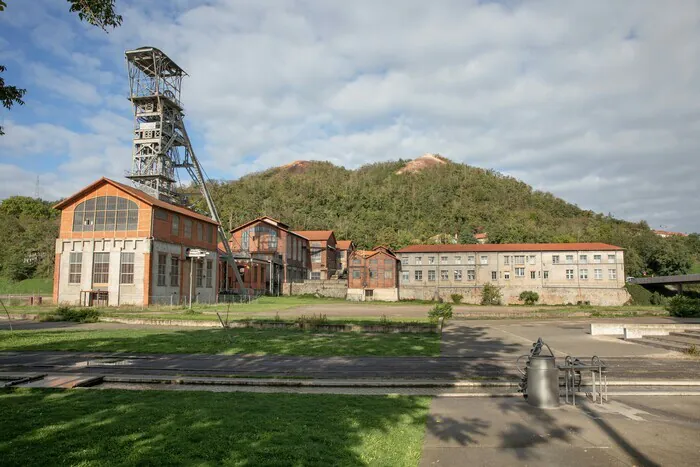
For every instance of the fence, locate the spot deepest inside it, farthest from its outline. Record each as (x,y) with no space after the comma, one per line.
(26,299)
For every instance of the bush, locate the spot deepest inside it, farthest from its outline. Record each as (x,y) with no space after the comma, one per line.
(529,297)
(684,307)
(658,299)
(66,313)
(313,321)
(491,295)
(442,310)
(457,298)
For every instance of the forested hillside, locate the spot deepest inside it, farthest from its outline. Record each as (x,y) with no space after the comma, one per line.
(374,205)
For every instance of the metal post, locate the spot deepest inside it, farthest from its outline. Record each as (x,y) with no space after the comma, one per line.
(9,319)
(191,280)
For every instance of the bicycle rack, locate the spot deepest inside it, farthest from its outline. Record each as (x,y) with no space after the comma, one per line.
(573,367)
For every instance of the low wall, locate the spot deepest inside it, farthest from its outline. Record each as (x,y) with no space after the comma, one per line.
(378,295)
(325,288)
(548,295)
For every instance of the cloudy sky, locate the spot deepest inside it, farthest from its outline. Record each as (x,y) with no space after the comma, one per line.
(595,101)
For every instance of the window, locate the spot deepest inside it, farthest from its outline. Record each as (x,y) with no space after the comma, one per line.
(494,275)
(612,274)
(570,274)
(100,268)
(199,273)
(126,275)
(470,259)
(404,276)
(533,259)
(506,275)
(519,259)
(316,276)
(373,262)
(458,275)
(484,260)
(555,259)
(458,260)
(419,260)
(75,267)
(506,259)
(431,259)
(598,274)
(519,272)
(174,271)
(546,274)
(444,275)
(389,263)
(356,274)
(188,228)
(532,274)
(175,226)
(471,275)
(106,214)
(316,256)
(161,214)
(611,258)
(162,262)
(597,258)
(443,259)
(583,259)
(356,261)
(389,274)
(404,260)
(210,273)
(583,274)
(200,232)
(418,275)
(210,233)
(570,259)
(372,273)
(431,275)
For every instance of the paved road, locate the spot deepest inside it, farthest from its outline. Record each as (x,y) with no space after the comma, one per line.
(326,367)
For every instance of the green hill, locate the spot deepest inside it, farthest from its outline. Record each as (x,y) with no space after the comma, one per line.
(376,205)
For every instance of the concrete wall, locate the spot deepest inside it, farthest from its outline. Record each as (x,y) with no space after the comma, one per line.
(548,295)
(378,295)
(325,288)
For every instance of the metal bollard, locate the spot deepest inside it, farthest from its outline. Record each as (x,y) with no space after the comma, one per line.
(540,378)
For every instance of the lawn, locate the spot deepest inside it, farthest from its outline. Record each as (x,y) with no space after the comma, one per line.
(26,287)
(111,427)
(220,341)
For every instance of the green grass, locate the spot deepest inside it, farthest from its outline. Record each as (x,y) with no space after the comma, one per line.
(28,286)
(219,341)
(111,427)
(695,269)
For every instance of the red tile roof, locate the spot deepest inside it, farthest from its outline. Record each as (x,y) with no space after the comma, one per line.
(315,235)
(494,247)
(479,236)
(344,244)
(138,194)
(268,220)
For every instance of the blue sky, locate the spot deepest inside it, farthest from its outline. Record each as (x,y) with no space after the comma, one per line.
(595,101)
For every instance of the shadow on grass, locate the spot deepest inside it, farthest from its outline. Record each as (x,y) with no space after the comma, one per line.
(219,341)
(49,427)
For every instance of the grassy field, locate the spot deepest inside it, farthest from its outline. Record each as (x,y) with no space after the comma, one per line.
(110,427)
(219,341)
(29,286)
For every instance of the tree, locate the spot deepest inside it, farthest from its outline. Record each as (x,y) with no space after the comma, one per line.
(100,13)
(466,235)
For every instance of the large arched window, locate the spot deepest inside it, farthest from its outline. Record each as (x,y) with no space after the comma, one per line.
(105,214)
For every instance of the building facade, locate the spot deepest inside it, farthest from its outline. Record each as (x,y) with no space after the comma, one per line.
(560,273)
(323,256)
(119,246)
(345,249)
(373,275)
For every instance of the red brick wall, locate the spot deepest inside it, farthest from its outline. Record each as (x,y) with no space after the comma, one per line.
(379,264)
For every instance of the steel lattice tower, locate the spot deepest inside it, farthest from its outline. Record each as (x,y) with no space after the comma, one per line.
(161,145)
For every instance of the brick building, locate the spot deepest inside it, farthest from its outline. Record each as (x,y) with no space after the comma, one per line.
(117,246)
(373,275)
(345,249)
(323,253)
(560,272)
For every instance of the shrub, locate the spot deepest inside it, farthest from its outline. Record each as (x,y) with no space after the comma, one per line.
(442,310)
(658,299)
(491,295)
(457,298)
(312,321)
(684,307)
(529,297)
(66,313)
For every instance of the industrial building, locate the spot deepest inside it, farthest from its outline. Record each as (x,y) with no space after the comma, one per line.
(323,253)
(373,275)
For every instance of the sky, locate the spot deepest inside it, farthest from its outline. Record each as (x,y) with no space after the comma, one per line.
(597,102)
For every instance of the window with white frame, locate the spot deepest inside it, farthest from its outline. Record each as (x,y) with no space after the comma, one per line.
(519,259)
(598,274)
(597,258)
(494,275)
(519,272)
(404,260)
(484,259)
(532,274)
(612,274)
(199,273)
(533,259)
(162,262)
(458,260)
(570,274)
(471,259)
(583,274)
(570,259)
(583,259)
(443,259)
(419,260)
(506,259)
(444,275)
(405,276)
(611,258)
(431,259)
(388,274)
(458,275)
(316,276)
(75,268)
(545,274)
(126,273)
(471,275)
(418,275)
(431,275)
(506,275)
(100,268)
(555,259)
